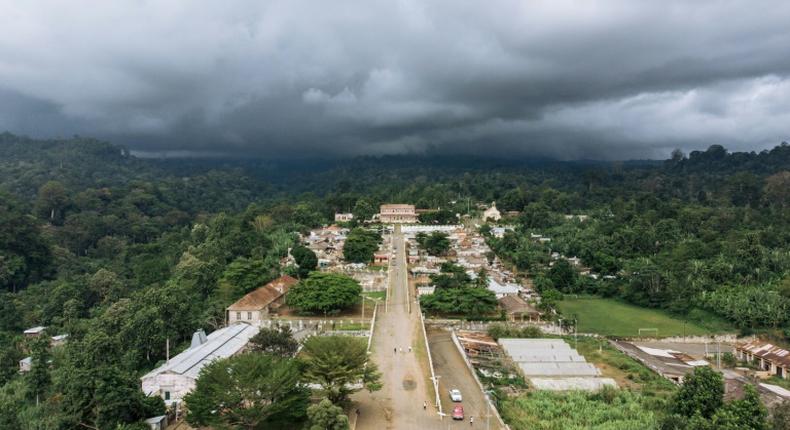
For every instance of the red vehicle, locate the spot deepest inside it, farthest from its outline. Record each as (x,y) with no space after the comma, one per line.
(458,412)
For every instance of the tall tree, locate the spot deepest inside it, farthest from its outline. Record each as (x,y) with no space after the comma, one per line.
(325,293)
(702,393)
(247,391)
(360,245)
(339,364)
(39,376)
(277,341)
(306,260)
(744,414)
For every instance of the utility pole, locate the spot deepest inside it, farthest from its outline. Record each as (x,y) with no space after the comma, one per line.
(718,355)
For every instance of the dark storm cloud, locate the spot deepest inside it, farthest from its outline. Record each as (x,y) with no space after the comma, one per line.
(568,79)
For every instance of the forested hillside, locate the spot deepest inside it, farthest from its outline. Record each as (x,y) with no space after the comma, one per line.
(124,254)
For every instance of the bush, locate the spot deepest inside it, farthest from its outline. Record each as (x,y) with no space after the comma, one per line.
(498,331)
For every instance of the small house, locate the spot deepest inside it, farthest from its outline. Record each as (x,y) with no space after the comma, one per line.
(344,217)
(34,331)
(502,290)
(517,309)
(381,258)
(25,364)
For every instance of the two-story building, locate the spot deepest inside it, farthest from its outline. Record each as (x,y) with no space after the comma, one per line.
(397,214)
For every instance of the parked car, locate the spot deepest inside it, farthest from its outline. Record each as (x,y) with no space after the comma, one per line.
(455,395)
(458,412)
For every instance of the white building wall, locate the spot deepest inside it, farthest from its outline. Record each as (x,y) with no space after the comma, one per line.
(177,385)
(250,317)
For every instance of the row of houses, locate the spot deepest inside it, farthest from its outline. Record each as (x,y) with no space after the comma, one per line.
(470,251)
(770,358)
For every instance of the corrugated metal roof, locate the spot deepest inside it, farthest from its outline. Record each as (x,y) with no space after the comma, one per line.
(767,351)
(264,295)
(221,343)
(559,369)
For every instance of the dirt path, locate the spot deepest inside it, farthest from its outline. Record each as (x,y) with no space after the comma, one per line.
(399,404)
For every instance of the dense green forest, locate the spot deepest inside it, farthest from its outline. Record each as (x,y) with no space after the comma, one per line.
(124,253)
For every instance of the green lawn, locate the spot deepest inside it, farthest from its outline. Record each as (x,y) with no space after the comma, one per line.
(614,318)
(378,295)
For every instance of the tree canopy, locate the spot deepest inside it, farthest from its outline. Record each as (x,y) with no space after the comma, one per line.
(248,391)
(324,293)
(340,365)
(360,245)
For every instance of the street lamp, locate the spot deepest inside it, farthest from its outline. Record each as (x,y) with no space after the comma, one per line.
(488,409)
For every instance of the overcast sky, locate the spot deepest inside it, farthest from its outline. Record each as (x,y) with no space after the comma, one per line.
(569,79)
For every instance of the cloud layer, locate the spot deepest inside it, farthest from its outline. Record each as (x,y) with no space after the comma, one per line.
(599,79)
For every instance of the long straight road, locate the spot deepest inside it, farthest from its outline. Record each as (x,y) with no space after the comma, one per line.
(405,375)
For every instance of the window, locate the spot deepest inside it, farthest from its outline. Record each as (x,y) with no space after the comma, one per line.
(249,315)
(167,395)
(238,316)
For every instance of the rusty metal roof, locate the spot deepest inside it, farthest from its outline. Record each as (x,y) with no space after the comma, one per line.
(264,295)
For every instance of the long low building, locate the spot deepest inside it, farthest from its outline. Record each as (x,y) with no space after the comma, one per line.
(770,358)
(177,377)
(551,364)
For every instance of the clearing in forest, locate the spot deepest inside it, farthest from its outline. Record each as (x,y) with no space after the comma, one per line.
(614,318)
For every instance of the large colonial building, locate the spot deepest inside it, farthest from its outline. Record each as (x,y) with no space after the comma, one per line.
(394,214)
(259,304)
(178,376)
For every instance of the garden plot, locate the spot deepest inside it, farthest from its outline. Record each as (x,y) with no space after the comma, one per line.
(551,364)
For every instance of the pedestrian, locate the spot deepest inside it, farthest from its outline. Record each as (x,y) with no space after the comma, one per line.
(394,350)
(357,413)
(424,405)
(401,349)
(471,420)
(409,348)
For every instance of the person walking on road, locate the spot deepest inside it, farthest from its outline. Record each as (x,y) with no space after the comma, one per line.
(425,405)
(471,420)
(409,348)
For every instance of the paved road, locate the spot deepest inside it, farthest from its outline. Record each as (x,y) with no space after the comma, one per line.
(449,365)
(406,380)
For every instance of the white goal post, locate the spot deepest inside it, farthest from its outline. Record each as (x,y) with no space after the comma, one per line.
(655,330)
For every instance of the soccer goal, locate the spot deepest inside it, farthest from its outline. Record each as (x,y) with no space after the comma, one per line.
(648,330)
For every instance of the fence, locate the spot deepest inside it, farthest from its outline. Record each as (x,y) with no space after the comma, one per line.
(471,368)
(430,361)
(483,325)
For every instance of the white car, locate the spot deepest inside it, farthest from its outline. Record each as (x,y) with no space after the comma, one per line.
(455,395)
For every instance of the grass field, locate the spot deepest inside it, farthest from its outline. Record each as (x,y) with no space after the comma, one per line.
(614,318)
